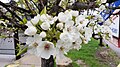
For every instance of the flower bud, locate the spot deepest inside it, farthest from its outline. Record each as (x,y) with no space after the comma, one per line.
(60,26)
(43,34)
(45,25)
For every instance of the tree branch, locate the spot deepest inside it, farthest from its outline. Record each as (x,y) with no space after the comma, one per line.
(23,27)
(5,6)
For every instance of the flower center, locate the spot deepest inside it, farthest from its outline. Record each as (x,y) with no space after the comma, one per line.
(81,22)
(74,43)
(61,48)
(35,44)
(68,29)
(47,47)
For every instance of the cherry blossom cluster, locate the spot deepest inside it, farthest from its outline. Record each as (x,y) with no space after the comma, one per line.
(59,34)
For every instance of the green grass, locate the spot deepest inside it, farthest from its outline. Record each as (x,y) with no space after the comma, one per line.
(87,54)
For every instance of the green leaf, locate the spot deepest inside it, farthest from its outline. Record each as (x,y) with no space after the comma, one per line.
(22,51)
(18,45)
(21,22)
(98,2)
(24,20)
(44,11)
(40,22)
(89,17)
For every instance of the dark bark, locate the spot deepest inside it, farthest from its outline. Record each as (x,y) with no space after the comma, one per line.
(16,41)
(101,44)
(12,22)
(80,5)
(13,13)
(47,62)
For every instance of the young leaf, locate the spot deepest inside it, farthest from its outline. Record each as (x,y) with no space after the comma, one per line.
(22,51)
(44,11)
(24,20)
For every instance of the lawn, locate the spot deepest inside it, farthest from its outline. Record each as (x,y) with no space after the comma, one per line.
(87,56)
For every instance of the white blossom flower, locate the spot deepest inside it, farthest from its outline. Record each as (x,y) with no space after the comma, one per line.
(99,18)
(73,32)
(69,23)
(83,39)
(74,13)
(36,19)
(63,17)
(75,36)
(60,26)
(45,49)
(31,30)
(103,1)
(5,1)
(43,34)
(88,33)
(29,23)
(76,44)
(63,46)
(106,32)
(60,52)
(96,29)
(79,27)
(71,2)
(51,21)
(44,17)
(32,43)
(45,25)
(81,20)
(65,36)
(101,8)
(48,18)
(68,14)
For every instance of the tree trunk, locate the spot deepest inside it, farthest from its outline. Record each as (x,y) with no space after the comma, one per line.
(47,62)
(101,43)
(16,41)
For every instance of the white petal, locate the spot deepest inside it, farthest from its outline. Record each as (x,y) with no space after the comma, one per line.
(103,1)
(37,38)
(74,13)
(62,17)
(43,34)
(29,23)
(101,8)
(45,54)
(29,40)
(60,26)
(43,18)
(45,25)
(31,30)
(34,21)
